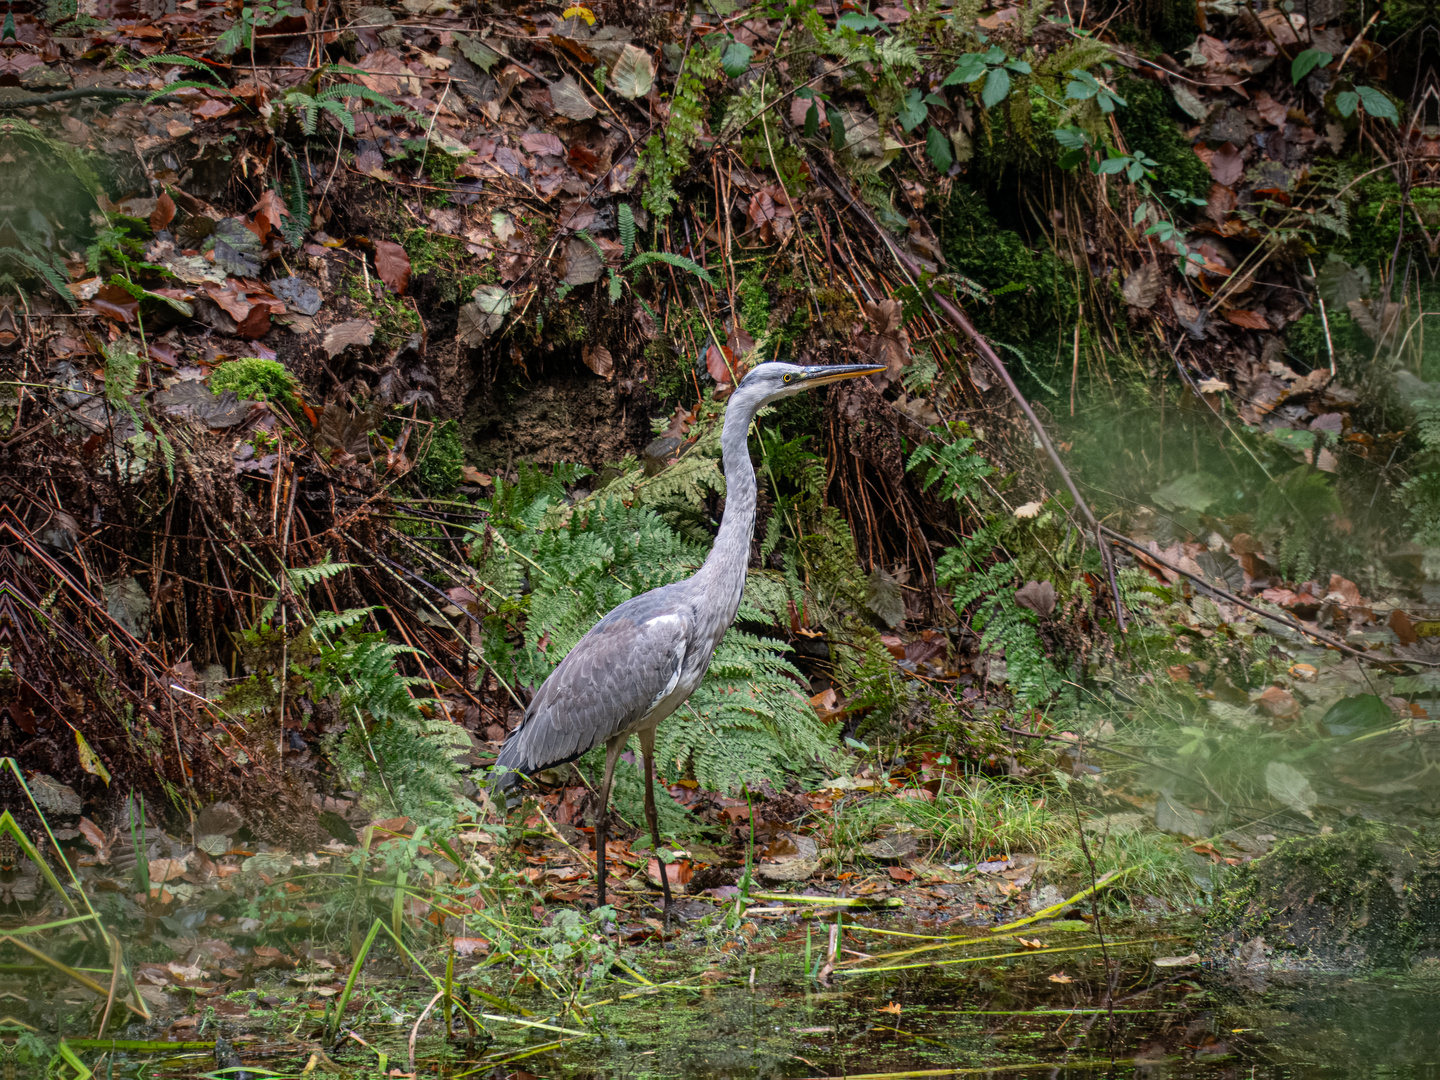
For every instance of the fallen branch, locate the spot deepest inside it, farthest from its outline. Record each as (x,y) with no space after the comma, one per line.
(1284,620)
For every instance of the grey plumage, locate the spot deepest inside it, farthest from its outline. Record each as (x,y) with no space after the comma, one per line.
(642,660)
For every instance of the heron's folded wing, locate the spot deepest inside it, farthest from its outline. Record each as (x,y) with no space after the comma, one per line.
(607,683)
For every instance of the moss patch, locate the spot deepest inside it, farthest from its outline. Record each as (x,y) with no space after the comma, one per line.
(1033,299)
(1152,123)
(1343,900)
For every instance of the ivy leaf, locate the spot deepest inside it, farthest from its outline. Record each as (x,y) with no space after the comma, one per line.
(1020,67)
(913,111)
(994,55)
(970,68)
(1345,102)
(735,61)
(1378,105)
(937,146)
(812,120)
(997,87)
(858,22)
(1307,62)
(837,127)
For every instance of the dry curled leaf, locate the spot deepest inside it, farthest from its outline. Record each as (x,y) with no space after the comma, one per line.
(569,100)
(720,362)
(539,142)
(1249,320)
(890,344)
(163,214)
(1227,166)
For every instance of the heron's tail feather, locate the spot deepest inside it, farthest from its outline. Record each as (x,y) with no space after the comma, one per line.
(512,764)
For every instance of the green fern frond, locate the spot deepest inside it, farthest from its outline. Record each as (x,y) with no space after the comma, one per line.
(645,258)
(303,577)
(46,270)
(183,61)
(626,219)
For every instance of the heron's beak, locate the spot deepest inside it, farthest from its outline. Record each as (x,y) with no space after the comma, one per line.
(818,376)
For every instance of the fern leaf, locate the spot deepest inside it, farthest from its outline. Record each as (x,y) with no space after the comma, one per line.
(626,219)
(645,258)
(178,58)
(303,577)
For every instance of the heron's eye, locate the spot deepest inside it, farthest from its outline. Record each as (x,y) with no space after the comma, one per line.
(786,379)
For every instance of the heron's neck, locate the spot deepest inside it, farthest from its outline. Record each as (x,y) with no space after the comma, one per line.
(729,559)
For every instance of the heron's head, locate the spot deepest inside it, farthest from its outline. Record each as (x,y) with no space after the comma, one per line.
(767,382)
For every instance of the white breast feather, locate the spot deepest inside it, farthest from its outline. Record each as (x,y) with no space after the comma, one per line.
(679,653)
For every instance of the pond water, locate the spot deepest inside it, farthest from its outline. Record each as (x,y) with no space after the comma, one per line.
(1022,1019)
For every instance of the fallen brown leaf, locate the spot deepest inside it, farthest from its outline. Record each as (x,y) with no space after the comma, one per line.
(393,265)
(598,359)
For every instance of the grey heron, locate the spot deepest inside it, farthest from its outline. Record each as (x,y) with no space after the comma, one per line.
(642,660)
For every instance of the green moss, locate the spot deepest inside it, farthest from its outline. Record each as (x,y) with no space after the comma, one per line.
(1016,133)
(440,167)
(1327,899)
(669,373)
(437,469)
(754,300)
(254,379)
(1374,222)
(394,319)
(1153,123)
(1035,297)
(1305,341)
(431,251)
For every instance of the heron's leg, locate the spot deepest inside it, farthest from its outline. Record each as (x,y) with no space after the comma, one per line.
(612,755)
(647,747)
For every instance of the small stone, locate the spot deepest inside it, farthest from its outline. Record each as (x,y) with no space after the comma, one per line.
(1278,702)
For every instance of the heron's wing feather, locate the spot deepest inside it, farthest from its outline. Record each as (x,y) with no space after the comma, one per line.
(625,666)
